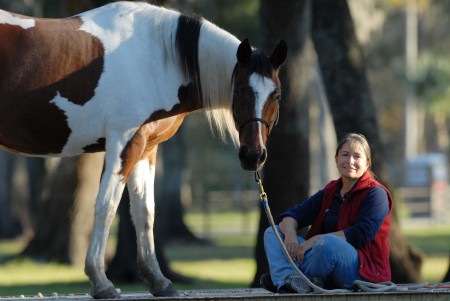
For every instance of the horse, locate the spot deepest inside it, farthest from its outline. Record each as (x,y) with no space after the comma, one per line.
(120,79)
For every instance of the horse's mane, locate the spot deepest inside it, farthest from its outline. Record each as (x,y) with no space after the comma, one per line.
(207,56)
(217,50)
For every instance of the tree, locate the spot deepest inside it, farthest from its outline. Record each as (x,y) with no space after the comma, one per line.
(343,71)
(9,224)
(341,63)
(52,232)
(286,173)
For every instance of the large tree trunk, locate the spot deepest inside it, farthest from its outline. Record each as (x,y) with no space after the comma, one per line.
(51,240)
(9,222)
(89,169)
(169,222)
(286,173)
(341,62)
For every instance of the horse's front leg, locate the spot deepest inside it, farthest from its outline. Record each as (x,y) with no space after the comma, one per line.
(141,190)
(108,198)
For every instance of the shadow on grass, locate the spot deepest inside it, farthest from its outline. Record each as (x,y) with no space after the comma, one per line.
(202,252)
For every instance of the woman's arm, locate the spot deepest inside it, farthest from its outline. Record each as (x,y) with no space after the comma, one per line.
(373,211)
(288,226)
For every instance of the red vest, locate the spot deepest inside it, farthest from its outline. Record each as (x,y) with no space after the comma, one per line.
(374,256)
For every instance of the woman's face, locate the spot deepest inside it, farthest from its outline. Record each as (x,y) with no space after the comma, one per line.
(351,161)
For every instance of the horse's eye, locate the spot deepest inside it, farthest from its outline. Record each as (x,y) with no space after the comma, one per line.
(235,93)
(278,97)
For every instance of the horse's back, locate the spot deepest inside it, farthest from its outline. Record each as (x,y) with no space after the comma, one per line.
(58,75)
(41,59)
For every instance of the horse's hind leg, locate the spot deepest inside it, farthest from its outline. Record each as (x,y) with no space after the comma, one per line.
(110,192)
(140,186)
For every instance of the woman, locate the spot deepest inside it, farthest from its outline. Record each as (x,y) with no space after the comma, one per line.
(348,238)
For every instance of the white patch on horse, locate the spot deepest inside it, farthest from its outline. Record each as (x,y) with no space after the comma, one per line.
(134,82)
(264,86)
(141,187)
(85,122)
(8,18)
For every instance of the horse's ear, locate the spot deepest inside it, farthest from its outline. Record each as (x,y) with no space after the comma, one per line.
(244,52)
(279,54)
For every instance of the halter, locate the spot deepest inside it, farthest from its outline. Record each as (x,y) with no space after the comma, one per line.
(268,124)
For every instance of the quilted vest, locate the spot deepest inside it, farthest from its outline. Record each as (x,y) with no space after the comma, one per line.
(373,256)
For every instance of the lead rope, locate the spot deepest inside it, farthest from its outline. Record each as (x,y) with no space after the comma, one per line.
(362,285)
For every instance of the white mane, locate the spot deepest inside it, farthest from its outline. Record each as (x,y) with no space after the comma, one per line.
(217,53)
(217,59)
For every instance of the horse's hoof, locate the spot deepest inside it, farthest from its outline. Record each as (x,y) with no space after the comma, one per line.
(108,293)
(168,291)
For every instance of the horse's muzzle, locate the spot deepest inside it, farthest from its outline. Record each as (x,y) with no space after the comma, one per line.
(252,159)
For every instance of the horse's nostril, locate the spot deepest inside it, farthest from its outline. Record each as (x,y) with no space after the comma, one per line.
(252,159)
(243,152)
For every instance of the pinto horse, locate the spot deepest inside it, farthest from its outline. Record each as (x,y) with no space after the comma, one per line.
(120,79)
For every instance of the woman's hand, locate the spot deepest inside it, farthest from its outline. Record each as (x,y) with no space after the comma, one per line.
(305,247)
(288,226)
(308,244)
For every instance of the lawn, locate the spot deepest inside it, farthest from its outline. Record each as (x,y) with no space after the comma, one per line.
(225,263)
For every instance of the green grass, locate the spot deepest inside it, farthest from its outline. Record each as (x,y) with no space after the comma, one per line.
(226,263)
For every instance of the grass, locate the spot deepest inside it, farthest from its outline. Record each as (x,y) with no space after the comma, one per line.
(434,242)
(226,263)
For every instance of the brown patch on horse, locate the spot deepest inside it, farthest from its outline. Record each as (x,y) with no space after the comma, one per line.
(98,146)
(145,140)
(37,63)
(159,127)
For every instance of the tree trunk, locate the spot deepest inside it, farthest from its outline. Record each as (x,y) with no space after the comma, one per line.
(286,173)
(89,170)
(447,276)
(51,240)
(9,223)
(169,223)
(341,62)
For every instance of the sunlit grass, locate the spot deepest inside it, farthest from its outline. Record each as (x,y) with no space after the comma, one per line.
(233,273)
(21,272)
(434,269)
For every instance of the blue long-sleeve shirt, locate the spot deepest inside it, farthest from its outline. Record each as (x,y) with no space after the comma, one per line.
(373,211)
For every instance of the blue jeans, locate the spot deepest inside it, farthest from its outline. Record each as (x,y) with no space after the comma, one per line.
(331,259)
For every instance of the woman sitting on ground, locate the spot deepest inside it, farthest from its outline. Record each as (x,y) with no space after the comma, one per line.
(348,238)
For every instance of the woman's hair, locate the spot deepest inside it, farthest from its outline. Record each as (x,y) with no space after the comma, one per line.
(356,138)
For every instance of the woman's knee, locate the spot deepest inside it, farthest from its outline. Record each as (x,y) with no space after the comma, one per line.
(326,244)
(269,233)
(332,245)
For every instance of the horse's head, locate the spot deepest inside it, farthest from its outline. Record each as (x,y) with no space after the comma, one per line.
(257,92)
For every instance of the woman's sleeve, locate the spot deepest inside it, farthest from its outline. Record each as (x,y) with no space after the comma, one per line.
(373,211)
(306,212)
